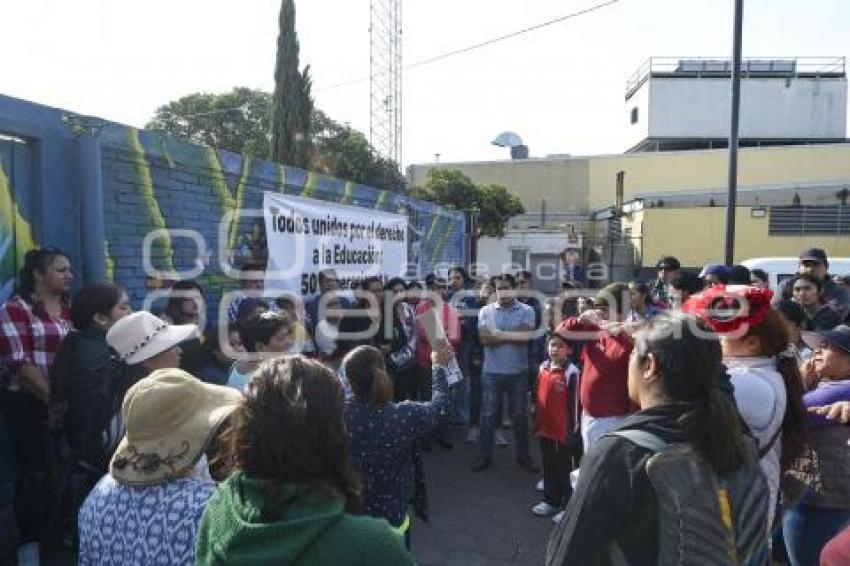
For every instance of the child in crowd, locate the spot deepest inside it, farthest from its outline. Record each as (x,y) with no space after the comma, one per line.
(556,425)
(263,334)
(302,342)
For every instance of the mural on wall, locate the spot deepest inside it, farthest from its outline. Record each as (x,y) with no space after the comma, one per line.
(151,182)
(16,235)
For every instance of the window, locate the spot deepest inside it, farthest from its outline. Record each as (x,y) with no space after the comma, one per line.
(634,115)
(519,258)
(801,220)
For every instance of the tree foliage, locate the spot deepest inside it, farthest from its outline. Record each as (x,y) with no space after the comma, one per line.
(292,104)
(237,121)
(342,151)
(494,204)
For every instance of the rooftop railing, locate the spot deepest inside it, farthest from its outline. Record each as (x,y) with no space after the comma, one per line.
(761,67)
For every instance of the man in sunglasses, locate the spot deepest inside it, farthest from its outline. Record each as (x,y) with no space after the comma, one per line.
(814,262)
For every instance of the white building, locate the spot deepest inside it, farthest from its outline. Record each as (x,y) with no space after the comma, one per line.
(685,103)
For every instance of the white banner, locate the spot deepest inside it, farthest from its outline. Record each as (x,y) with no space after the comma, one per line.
(306,236)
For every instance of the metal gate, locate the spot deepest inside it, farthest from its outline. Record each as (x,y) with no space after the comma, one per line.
(16,235)
(613,256)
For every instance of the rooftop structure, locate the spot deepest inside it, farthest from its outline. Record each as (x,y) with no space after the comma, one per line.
(683,103)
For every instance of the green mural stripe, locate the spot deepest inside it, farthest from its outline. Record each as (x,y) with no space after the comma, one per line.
(240,199)
(110,262)
(162,146)
(219,184)
(381,200)
(281,178)
(155,216)
(428,235)
(438,249)
(348,194)
(311,184)
(13,225)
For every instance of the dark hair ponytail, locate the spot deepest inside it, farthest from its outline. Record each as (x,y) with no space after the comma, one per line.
(367,373)
(716,424)
(36,260)
(693,376)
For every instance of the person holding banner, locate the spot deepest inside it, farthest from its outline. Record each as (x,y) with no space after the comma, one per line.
(437,324)
(505,327)
(464,300)
(383,435)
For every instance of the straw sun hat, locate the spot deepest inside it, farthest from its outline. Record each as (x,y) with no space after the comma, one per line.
(170,417)
(140,336)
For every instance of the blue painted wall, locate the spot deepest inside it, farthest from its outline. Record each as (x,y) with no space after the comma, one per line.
(148,181)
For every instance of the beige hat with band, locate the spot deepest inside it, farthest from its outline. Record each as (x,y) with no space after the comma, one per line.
(170,418)
(140,336)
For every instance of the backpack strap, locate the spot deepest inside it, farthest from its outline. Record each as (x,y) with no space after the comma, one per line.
(770,443)
(642,438)
(646,440)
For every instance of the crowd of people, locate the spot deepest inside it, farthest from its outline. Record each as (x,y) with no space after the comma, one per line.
(296,431)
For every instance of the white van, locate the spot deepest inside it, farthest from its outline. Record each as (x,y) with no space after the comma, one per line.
(779,269)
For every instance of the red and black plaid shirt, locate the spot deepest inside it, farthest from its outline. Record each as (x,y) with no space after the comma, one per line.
(29,335)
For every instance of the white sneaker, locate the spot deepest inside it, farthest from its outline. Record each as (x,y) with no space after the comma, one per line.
(558,517)
(539,486)
(472,435)
(543,509)
(499,438)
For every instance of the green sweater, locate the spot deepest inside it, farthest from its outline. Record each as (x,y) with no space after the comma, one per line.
(311,528)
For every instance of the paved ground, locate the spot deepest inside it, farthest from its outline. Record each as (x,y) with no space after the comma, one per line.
(476,519)
(479,519)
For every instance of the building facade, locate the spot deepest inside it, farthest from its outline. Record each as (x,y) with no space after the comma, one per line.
(629,209)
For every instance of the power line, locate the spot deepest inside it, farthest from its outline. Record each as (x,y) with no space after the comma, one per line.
(460,51)
(479,45)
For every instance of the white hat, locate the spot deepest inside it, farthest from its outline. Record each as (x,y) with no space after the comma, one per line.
(140,336)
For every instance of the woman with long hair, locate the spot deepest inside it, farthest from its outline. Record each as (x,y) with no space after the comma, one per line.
(677,378)
(34,321)
(291,498)
(763,368)
(382,435)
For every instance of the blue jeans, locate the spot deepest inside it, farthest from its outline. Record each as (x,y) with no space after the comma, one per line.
(807,529)
(460,391)
(492,386)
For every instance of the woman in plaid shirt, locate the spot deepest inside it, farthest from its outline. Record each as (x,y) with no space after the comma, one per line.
(33,324)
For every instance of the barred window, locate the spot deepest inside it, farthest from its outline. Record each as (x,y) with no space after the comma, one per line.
(815,220)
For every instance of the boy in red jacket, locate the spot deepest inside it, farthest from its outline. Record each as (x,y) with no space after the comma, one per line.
(556,421)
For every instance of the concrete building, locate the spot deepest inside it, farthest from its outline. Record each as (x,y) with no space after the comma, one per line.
(685,103)
(667,195)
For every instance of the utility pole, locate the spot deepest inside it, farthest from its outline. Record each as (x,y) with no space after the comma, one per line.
(733,133)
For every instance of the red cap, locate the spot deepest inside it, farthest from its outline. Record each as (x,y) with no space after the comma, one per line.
(728,308)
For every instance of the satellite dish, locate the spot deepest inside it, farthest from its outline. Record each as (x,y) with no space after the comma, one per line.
(507,139)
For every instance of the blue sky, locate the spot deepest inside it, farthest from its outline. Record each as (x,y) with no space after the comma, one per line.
(560,88)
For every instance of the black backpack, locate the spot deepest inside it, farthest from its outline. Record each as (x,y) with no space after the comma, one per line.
(703,519)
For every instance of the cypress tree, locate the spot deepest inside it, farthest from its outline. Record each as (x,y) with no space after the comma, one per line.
(292,104)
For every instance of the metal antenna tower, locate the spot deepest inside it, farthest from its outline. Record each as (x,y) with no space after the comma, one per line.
(385,78)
